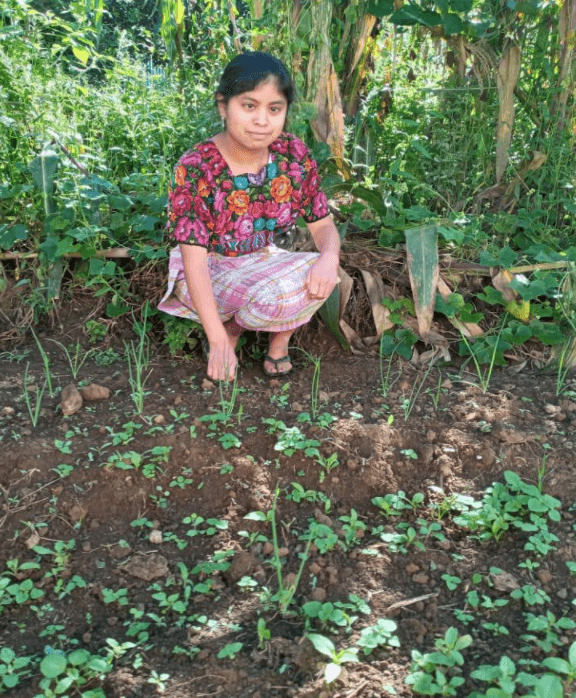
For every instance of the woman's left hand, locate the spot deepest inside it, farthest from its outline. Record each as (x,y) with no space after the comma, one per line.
(323,276)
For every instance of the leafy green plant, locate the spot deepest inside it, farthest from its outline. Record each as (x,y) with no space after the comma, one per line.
(64,672)
(430,673)
(12,668)
(325,646)
(379,635)
(230,650)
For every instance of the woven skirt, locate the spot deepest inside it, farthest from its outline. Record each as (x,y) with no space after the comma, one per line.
(264,290)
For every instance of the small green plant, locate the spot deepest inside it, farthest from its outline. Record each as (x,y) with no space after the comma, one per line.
(138,356)
(379,635)
(325,646)
(352,527)
(33,405)
(430,673)
(12,668)
(96,331)
(45,364)
(263,633)
(64,672)
(230,650)
(328,464)
(76,356)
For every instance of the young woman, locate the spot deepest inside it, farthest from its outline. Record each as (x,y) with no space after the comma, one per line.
(232,194)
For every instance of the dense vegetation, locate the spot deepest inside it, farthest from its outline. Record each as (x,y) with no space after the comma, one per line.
(457,114)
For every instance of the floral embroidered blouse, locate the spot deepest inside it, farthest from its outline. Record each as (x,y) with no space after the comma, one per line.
(210,207)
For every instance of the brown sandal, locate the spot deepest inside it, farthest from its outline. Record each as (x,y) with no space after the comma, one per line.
(277,374)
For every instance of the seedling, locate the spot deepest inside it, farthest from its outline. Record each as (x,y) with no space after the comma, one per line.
(325,646)
(33,405)
(12,668)
(379,635)
(429,673)
(230,650)
(263,633)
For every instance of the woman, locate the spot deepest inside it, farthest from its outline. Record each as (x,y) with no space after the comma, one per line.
(232,194)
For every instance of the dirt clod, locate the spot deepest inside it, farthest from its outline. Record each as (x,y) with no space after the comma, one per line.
(71,400)
(147,567)
(94,392)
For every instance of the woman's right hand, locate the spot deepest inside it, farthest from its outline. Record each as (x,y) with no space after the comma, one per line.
(222,361)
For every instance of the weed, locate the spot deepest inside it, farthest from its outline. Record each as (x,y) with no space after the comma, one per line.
(325,646)
(263,633)
(35,406)
(379,635)
(75,356)
(12,668)
(430,672)
(45,364)
(230,650)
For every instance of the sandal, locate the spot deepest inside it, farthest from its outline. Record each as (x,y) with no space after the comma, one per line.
(277,374)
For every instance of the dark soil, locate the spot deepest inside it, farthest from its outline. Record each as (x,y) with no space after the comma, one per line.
(456,439)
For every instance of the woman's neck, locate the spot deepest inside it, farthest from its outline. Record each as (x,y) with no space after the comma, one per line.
(240,160)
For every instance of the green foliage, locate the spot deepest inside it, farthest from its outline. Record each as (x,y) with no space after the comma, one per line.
(516,504)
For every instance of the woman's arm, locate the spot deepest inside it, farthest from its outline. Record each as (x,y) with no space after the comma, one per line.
(323,276)
(223,361)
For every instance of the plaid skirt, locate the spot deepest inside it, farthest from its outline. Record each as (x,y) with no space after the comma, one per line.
(263,290)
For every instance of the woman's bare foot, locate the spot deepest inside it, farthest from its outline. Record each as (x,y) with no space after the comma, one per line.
(278,349)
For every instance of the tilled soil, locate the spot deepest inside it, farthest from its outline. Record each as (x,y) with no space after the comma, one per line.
(148,497)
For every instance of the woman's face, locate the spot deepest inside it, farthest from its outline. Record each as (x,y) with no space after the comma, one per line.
(255,119)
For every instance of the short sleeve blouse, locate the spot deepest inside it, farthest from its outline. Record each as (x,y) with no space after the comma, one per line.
(210,207)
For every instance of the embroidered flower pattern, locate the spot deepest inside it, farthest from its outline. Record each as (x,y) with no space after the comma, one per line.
(237,215)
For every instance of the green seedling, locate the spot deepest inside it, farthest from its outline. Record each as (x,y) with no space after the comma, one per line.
(138,357)
(33,405)
(530,596)
(430,672)
(65,672)
(548,629)
(45,365)
(263,633)
(325,646)
(352,527)
(379,635)
(408,402)
(158,680)
(75,357)
(230,650)
(299,494)
(12,668)
(476,350)
(328,464)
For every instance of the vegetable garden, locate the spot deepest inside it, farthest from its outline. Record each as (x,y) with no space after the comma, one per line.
(398,517)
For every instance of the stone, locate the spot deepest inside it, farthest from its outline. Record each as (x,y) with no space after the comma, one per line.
(71,400)
(77,513)
(544,576)
(155,537)
(94,392)
(32,541)
(318,594)
(147,567)
(421,578)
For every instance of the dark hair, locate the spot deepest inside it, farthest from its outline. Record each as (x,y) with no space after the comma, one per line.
(248,70)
